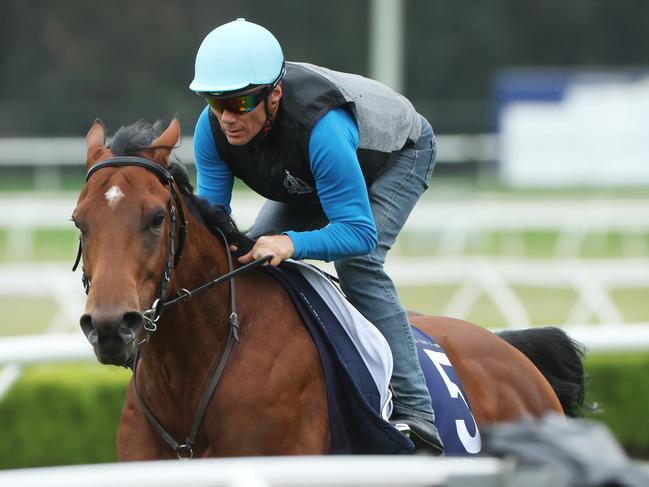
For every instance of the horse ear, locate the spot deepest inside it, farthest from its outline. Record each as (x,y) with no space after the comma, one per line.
(162,146)
(96,141)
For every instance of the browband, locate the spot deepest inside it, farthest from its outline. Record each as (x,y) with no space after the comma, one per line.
(160,171)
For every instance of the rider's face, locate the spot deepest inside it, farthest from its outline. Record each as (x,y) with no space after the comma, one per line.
(241,129)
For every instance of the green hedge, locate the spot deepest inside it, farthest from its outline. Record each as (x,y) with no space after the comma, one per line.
(618,385)
(60,415)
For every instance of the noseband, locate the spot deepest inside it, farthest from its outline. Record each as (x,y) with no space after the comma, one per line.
(152,315)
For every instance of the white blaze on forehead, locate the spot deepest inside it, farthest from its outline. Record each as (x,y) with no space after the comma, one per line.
(113,195)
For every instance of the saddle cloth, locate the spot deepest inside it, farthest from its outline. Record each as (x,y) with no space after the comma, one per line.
(357,365)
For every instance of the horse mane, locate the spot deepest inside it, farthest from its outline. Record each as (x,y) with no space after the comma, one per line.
(212,217)
(132,139)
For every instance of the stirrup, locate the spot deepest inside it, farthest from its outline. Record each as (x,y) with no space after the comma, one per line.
(422,433)
(403,428)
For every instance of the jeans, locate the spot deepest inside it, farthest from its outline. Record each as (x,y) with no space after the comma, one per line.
(363,279)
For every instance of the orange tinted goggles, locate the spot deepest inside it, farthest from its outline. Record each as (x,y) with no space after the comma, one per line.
(238,105)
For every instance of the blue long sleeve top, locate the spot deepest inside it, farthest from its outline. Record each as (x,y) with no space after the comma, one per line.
(340,186)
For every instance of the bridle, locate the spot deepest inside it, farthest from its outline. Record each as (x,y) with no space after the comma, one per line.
(152,315)
(175,207)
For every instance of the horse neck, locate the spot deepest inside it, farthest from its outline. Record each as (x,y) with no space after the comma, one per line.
(192,333)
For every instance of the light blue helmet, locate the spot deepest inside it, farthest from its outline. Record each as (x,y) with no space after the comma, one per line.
(235,55)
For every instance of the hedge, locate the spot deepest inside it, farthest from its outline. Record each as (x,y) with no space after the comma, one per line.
(618,387)
(59,415)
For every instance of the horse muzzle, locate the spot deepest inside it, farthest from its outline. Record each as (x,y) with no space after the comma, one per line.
(113,337)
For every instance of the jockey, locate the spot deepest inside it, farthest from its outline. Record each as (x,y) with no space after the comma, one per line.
(342,160)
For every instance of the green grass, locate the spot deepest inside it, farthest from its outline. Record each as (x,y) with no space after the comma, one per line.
(53,245)
(544,306)
(632,303)
(46,245)
(25,316)
(528,244)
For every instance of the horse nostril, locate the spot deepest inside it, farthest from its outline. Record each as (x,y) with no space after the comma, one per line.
(133,320)
(86,324)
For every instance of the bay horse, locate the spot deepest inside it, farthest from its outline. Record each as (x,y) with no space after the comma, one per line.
(234,366)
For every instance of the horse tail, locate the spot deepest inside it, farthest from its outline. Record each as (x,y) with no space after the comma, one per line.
(558,357)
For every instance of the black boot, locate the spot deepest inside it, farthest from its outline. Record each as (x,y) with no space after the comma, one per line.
(422,433)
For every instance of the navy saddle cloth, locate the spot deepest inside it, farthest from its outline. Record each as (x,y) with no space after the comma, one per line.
(354,405)
(355,422)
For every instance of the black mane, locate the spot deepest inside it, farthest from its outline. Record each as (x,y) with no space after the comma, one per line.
(212,217)
(134,138)
(129,140)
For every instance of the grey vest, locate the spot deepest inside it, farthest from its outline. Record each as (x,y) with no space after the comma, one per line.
(277,165)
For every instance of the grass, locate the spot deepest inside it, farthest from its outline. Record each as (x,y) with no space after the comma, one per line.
(529,244)
(45,245)
(53,245)
(544,306)
(632,303)
(25,316)
(72,374)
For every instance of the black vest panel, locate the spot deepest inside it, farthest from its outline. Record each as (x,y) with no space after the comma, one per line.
(277,166)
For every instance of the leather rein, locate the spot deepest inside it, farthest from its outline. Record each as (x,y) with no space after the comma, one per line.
(152,315)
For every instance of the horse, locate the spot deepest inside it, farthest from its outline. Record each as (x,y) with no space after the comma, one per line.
(234,366)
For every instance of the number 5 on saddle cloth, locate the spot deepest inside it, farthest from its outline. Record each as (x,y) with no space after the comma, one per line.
(357,363)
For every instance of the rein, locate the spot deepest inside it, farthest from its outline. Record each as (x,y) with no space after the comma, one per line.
(152,315)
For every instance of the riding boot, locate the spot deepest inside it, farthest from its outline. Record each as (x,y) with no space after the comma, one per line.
(422,433)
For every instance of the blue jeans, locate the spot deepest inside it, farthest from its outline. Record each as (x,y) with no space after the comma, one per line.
(363,279)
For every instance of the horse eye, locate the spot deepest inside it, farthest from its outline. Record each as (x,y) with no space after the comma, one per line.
(157,220)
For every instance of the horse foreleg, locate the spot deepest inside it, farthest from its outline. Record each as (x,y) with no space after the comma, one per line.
(136,440)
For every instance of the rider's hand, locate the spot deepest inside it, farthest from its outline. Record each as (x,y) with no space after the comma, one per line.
(279,246)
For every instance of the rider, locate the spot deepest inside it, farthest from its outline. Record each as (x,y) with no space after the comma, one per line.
(342,160)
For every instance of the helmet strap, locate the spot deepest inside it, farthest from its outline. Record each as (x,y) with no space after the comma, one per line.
(269,117)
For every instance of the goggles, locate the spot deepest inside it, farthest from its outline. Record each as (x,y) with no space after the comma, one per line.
(243,102)
(240,104)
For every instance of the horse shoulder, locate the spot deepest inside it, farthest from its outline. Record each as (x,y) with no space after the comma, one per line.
(273,391)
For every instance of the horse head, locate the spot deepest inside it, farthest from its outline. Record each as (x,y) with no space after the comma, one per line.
(125,214)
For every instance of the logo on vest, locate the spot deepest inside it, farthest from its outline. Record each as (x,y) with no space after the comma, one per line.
(295,185)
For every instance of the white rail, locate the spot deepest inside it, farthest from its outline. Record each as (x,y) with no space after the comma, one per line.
(591,280)
(73,347)
(29,210)
(496,279)
(455,222)
(71,151)
(313,471)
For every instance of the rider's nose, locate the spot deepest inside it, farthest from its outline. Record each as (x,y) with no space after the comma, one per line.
(228,117)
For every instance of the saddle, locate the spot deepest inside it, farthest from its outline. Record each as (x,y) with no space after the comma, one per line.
(357,364)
